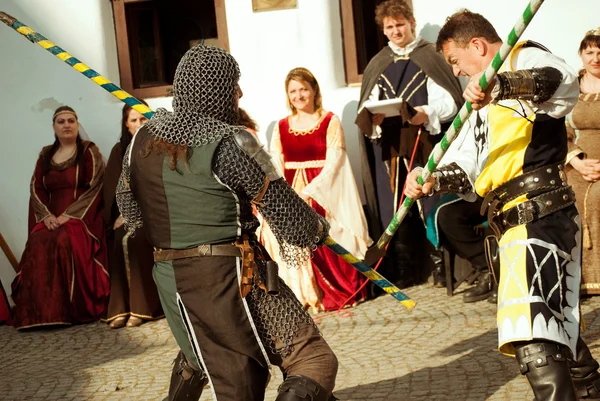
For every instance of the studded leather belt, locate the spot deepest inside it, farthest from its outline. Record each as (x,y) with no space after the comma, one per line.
(533,209)
(161,255)
(553,194)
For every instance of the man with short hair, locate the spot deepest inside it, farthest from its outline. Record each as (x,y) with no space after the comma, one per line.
(191,178)
(518,167)
(408,68)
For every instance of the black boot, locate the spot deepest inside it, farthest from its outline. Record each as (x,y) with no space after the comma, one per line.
(481,291)
(439,269)
(584,372)
(302,388)
(187,383)
(405,270)
(493,298)
(545,366)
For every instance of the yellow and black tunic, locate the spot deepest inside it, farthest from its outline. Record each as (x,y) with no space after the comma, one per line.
(538,295)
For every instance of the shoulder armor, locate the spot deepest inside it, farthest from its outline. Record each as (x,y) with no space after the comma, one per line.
(253,148)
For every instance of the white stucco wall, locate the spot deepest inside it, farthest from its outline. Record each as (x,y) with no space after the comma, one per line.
(267,45)
(33,83)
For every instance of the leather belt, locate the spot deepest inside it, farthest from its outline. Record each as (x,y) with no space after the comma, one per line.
(548,183)
(161,255)
(543,179)
(532,209)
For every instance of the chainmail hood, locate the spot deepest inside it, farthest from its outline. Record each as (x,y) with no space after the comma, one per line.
(204,88)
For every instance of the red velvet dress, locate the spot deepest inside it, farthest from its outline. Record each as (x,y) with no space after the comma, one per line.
(4,308)
(301,150)
(62,275)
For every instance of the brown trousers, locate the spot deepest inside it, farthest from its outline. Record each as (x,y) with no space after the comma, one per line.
(224,338)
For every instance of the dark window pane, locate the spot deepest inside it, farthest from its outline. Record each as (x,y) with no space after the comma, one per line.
(161,31)
(369,38)
(184,24)
(144,44)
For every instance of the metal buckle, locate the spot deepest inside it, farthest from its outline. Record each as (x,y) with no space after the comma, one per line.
(525,212)
(204,250)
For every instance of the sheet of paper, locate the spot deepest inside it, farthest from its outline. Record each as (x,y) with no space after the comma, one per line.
(388,107)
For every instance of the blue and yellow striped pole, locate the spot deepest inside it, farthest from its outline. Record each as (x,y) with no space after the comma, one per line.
(371,274)
(98,79)
(462,116)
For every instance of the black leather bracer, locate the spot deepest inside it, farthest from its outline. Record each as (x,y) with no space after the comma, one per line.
(537,84)
(452,179)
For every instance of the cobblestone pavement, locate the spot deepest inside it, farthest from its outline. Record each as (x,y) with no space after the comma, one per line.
(443,350)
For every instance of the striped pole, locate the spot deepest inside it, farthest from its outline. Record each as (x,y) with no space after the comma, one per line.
(371,274)
(98,79)
(463,115)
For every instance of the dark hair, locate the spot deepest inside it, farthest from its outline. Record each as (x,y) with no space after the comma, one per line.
(463,26)
(589,41)
(245,120)
(47,161)
(175,152)
(126,136)
(393,9)
(302,74)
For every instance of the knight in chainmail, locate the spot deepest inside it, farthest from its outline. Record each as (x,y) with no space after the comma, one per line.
(190,177)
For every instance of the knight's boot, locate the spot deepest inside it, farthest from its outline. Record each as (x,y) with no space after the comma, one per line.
(302,388)
(481,291)
(187,383)
(545,366)
(584,372)
(439,269)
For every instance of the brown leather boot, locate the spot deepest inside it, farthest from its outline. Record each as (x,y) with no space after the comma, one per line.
(302,388)
(187,383)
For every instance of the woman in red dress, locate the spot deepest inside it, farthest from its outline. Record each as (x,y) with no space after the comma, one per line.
(63,276)
(309,147)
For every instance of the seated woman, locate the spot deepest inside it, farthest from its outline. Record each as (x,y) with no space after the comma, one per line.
(309,147)
(583,129)
(4,307)
(62,277)
(133,295)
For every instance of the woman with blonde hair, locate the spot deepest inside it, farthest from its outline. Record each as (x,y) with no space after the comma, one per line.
(308,146)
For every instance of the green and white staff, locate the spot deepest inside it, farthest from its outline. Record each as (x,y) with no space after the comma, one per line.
(463,115)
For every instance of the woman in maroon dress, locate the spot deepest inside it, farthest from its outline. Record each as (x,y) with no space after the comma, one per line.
(63,276)
(133,294)
(309,147)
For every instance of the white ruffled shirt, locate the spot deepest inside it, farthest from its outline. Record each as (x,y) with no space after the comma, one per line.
(440,107)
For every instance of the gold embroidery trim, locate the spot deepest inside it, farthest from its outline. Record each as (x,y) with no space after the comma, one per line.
(302,132)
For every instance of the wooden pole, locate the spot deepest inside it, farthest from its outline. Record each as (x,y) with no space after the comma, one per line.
(9,255)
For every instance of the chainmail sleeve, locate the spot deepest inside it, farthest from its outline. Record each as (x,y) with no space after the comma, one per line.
(297,227)
(128,206)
